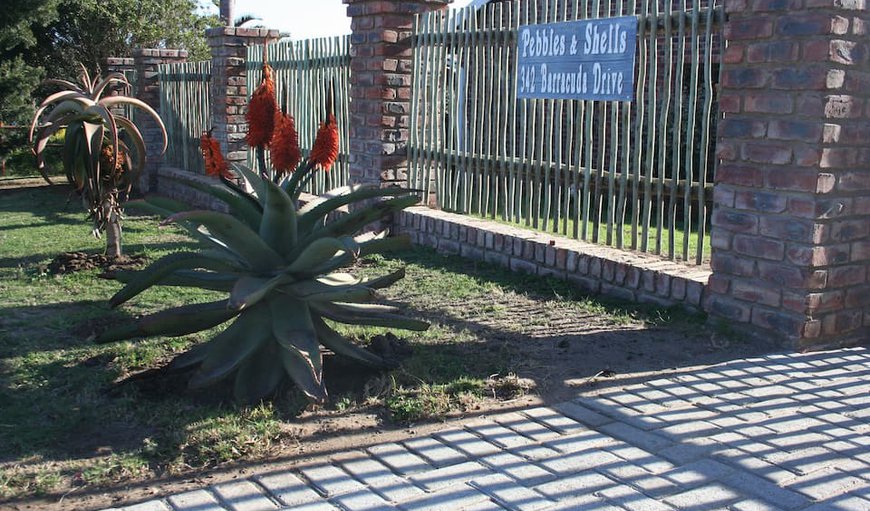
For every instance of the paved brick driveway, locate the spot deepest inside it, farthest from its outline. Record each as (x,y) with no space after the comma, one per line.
(787,431)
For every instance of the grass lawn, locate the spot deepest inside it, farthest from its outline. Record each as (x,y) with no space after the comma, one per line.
(66,424)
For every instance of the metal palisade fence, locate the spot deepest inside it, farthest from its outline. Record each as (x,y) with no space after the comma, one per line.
(185,107)
(635,175)
(309,75)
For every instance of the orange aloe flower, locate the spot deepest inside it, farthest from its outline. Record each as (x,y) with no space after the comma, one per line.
(325,150)
(215,165)
(261,111)
(284,145)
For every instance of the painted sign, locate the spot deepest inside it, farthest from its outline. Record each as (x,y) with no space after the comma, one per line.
(588,59)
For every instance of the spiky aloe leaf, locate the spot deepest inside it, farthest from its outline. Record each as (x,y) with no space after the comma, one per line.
(210,280)
(183,320)
(294,331)
(345,313)
(278,227)
(309,217)
(344,347)
(229,349)
(241,192)
(250,290)
(135,137)
(235,235)
(164,267)
(191,357)
(239,206)
(320,291)
(260,374)
(113,101)
(386,280)
(355,221)
(158,205)
(258,184)
(372,246)
(316,254)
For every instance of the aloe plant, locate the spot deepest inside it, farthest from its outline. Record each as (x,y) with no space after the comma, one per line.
(103,151)
(281,267)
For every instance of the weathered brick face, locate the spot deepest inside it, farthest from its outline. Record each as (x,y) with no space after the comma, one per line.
(145,61)
(381,64)
(229,52)
(791,226)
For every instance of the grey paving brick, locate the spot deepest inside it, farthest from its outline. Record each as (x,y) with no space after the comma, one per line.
(555,420)
(754,505)
(518,468)
(644,459)
(399,458)
(581,441)
(639,478)
(583,414)
(459,497)
(526,427)
(447,476)
(563,488)
(535,452)
(151,505)
(435,452)
(684,453)
(468,443)
(288,489)
(741,459)
(753,485)
(500,435)
(587,502)
(633,500)
(316,506)
(243,496)
(331,480)
(703,498)
(580,461)
(378,477)
(197,500)
(362,500)
(639,438)
(701,472)
(510,494)
(827,483)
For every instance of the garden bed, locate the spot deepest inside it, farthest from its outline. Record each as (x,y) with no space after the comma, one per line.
(73,438)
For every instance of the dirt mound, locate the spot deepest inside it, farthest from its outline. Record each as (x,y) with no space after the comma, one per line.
(70,262)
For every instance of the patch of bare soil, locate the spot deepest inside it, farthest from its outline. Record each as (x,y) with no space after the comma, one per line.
(71,262)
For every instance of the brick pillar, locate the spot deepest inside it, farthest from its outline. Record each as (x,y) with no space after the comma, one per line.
(791,221)
(381,65)
(147,89)
(120,65)
(229,52)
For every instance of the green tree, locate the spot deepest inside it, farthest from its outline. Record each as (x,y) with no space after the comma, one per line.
(40,38)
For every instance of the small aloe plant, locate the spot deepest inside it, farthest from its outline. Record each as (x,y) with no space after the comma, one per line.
(103,151)
(282,268)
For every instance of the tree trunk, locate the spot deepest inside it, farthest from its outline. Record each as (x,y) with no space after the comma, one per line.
(113,230)
(227,12)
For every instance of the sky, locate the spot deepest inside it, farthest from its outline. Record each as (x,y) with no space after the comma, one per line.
(303,19)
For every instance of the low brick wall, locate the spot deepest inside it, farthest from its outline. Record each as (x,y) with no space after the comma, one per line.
(170,184)
(593,268)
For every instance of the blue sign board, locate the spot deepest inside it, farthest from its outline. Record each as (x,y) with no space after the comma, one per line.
(588,59)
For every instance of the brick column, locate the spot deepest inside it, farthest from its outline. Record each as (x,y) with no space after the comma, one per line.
(147,89)
(229,53)
(791,221)
(381,65)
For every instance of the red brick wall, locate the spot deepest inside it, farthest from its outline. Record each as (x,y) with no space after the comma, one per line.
(791,225)
(381,63)
(145,61)
(229,52)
